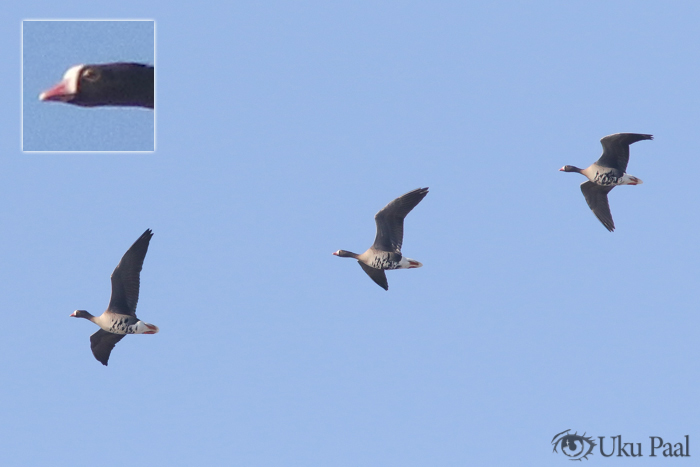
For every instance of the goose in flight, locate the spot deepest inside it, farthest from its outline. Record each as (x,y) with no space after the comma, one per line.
(606,173)
(120,317)
(385,253)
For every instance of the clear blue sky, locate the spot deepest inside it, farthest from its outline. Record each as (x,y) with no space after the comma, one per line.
(283,127)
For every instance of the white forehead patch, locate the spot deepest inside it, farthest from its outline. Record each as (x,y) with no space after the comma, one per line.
(70,78)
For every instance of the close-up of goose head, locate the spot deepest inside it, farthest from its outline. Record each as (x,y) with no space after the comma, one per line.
(110,84)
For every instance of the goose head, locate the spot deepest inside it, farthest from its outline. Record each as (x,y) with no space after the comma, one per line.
(345,254)
(570,168)
(81,314)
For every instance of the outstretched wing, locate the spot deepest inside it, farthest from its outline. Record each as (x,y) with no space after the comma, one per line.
(126,277)
(377,275)
(616,149)
(102,343)
(390,220)
(597,199)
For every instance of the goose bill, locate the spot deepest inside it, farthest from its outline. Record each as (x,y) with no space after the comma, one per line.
(60,92)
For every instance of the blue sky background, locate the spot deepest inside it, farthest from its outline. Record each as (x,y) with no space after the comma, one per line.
(282,129)
(52,47)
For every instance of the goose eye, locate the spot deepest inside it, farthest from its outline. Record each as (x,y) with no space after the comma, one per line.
(91,75)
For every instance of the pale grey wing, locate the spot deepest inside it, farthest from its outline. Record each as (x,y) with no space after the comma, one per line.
(377,275)
(102,343)
(616,149)
(597,199)
(126,277)
(390,220)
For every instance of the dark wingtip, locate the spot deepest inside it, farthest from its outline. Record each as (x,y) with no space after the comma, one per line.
(422,192)
(608,225)
(148,234)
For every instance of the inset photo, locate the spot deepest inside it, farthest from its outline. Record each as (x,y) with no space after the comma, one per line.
(88,85)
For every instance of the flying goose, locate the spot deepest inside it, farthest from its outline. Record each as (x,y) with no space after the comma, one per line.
(385,253)
(120,84)
(120,317)
(606,173)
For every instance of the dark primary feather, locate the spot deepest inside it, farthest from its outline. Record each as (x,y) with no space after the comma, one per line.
(102,343)
(616,149)
(390,220)
(126,277)
(377,275)
(597,199)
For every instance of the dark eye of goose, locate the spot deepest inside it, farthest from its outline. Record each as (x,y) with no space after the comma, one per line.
(91,74)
